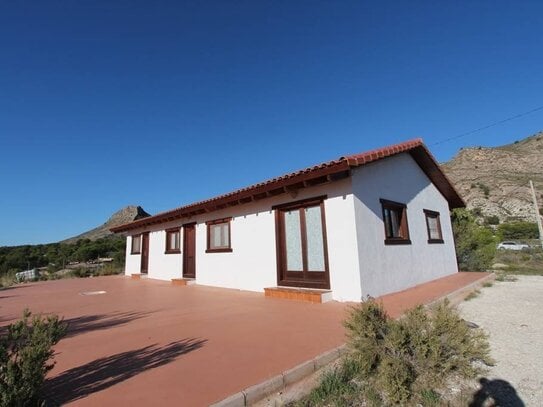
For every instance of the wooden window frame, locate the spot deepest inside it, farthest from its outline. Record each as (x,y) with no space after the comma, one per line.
(226,249)
(404,226)
(168,249)
(132,251)
(282,278)
(433,214)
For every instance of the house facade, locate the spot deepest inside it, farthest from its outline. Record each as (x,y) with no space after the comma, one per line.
(366,224)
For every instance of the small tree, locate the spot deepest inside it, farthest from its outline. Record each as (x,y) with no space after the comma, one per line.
(25,350)
(475,245)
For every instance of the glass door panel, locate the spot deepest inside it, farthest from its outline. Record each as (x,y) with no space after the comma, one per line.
(293,241)
(315,240)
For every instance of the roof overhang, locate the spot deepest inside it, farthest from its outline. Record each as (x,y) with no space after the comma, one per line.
(317,175)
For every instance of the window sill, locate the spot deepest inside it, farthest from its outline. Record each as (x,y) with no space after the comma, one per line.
(431,241)
(225,250)
(172,252)
(397,241)
(135,252)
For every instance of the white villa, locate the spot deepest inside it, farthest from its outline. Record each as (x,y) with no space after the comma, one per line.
(364,224)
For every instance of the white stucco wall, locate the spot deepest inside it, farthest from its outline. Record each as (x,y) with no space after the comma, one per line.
(252,263)
(163,266)
(133,261)
(389,268)
(360,263)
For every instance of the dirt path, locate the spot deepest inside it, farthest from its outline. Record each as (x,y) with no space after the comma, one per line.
(512,314)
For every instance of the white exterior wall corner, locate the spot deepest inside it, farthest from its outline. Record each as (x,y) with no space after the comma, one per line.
(162,266)
(343,259)
(132,264)
(252,264)
(390,268)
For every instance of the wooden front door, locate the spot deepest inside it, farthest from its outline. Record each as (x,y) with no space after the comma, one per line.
(189,250)
(302,255)
(144,253)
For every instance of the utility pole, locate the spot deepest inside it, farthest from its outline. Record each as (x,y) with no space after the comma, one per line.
(537,215)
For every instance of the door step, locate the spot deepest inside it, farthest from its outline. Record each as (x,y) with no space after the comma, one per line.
(183,281)
(300,294)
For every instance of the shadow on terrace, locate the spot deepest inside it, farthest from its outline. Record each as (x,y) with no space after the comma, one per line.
(105,372)
(86,323)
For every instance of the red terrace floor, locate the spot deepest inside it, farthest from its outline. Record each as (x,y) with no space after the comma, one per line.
(150,343)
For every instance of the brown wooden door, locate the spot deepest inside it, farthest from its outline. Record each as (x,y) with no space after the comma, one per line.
(144,253)
(189,250)
(301,245)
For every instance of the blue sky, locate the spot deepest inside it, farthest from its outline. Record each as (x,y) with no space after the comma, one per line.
(158,104)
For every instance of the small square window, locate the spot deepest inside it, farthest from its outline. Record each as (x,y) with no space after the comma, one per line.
(173,241)
(395,222)
(218,236)
(433,225)
(136,244)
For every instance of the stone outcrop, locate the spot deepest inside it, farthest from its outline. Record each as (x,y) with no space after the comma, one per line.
(496,180)
(125,215)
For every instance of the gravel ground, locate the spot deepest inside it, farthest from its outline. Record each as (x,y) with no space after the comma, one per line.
(512,314)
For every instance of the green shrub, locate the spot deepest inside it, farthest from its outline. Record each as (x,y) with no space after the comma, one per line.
(518,231)
(108,270)
(25,352)
(79,272)
(407,360)
(492,220)
(475,245)
(404,362)
(485,189)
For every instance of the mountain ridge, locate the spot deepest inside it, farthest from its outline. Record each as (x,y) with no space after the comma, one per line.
(127,214)
(495,180)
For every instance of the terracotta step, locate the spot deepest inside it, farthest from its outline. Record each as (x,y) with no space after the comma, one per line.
(183,281)
(300,294)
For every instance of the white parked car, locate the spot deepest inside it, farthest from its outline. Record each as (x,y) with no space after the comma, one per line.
(512,246)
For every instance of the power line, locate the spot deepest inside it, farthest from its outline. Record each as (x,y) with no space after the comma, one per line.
(488,126)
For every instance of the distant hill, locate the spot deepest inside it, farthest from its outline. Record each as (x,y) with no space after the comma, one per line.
(495,180)
(125,215)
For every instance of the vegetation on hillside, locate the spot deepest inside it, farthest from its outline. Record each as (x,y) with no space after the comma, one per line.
(25,354)
(407,362)
(55,256)
(476,244)
(518,231)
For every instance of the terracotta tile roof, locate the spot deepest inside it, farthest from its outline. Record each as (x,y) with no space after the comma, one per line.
(318,174)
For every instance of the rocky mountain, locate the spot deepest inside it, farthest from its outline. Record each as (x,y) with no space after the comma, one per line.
(496,179)
(125,215)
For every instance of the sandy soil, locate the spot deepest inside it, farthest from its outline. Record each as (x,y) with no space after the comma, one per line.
(512,314)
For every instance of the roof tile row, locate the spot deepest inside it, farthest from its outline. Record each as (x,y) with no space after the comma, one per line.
(415,147)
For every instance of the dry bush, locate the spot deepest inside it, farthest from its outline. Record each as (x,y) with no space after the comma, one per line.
(407,361)
(402,359)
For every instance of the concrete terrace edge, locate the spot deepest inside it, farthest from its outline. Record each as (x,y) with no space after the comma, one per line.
(457,296)
(277,383)
(280,382)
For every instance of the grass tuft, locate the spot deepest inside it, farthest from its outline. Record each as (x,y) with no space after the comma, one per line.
(472,295)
